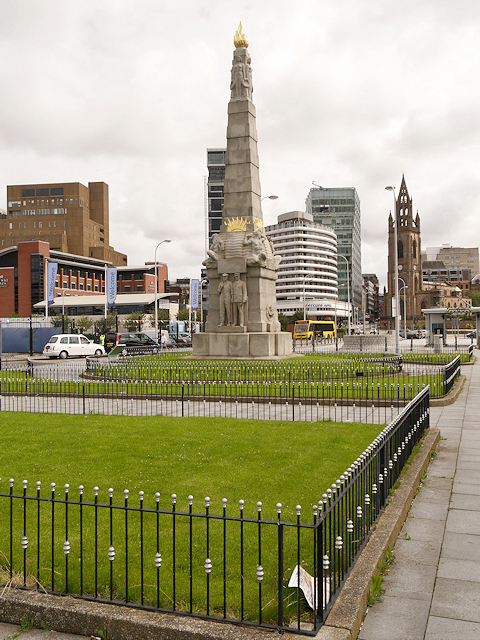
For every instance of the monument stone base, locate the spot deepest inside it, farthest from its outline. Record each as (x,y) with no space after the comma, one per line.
(242,345)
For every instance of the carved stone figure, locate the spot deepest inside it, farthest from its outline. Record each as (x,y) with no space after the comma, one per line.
(239,300)
(225,289)
(215,253)
(271,250)
(241,83)
(257,253)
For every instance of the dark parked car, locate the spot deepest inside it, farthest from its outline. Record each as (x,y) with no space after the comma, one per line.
(137,339)
(182,340)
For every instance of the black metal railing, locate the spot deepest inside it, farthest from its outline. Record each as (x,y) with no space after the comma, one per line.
(211,561)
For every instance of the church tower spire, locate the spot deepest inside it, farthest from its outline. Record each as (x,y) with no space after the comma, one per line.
(409,256)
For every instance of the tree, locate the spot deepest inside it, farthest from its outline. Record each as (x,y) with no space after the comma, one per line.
(134,321)
(57,321)
(475,298)
(183,314)
(298,315)
(84,323)
(163,317)
(284,321)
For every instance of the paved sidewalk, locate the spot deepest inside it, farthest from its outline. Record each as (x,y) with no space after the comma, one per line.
(8,631)
(432,592)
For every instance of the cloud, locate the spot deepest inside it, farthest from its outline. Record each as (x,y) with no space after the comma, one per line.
(348,93)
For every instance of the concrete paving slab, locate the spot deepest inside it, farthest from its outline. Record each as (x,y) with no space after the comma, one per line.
(7,630)
(468,477)
(465,501)
(436,483)
(429,495)
(468,457)
(428,510)
(461,464)
(459,599)
(446,629)
(446,470)
(463,521)
(37,634)
(422,529)
(418,551)
(463,546)
(466,489)
(459,569)
(387,619)
(405,580)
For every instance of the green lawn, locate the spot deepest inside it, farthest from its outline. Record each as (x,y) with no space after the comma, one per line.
(221,458)
(388,386)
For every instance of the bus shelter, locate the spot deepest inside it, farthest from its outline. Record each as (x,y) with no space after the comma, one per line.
(436,323)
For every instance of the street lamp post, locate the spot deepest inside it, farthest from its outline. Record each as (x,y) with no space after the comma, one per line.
(202,282)
(63,310)
(404,288)
(397,341)
(305,279)
(348,288)
(156,288)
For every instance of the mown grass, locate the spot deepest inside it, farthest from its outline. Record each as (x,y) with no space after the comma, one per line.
(271,462)
(399,386)
(309,367)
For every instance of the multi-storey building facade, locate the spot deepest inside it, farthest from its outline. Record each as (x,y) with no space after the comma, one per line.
(372,305)
(339,208)
(71,217)
(307,276)
(454,258)
(214,196)
(22,277)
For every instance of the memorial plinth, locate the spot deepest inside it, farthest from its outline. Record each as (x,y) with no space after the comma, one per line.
(241,265)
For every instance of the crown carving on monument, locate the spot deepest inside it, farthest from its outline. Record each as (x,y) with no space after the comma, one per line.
(237,224)
(258,224)
(240,38)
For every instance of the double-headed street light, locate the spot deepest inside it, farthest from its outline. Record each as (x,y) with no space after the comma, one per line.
(348,287)
(156,288)
(397,341)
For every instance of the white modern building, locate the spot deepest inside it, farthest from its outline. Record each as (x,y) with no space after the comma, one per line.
(307,277)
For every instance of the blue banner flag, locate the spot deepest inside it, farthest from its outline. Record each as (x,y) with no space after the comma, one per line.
(52,268)
(111,286)
(194,294)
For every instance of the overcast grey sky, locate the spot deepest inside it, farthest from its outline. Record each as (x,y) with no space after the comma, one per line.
(348,93)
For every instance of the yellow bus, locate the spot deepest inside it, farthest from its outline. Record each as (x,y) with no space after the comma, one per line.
(316,328)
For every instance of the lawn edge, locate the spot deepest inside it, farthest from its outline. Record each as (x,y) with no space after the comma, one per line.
(72,615)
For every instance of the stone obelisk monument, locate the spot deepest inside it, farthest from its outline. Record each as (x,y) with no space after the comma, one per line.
(241,264)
